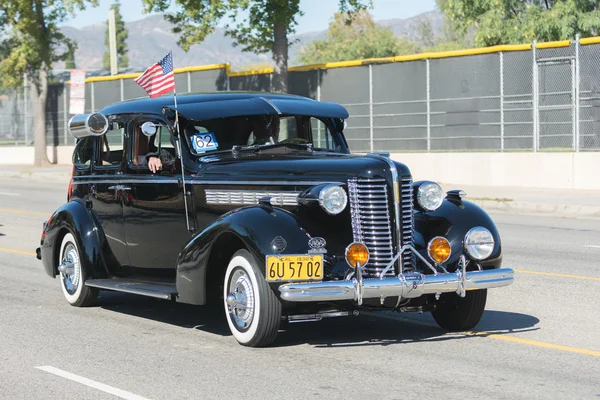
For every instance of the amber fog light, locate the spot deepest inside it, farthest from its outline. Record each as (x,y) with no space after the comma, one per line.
(439,249)
(357,254)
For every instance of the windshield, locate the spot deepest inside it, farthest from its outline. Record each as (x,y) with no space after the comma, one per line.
(205,137)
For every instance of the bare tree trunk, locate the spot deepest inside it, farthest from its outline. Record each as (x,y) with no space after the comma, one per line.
(280,56)
(39,96)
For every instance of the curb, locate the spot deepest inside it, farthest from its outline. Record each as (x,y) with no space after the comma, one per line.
(554,210)
(36,176)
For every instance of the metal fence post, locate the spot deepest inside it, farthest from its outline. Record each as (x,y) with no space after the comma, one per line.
(25,127)
(189,79)
(535,98)
(319,99)
(501,101)
(428,97)
(577,84)
(122,89)
(92,95)
(65,114)
(371,106)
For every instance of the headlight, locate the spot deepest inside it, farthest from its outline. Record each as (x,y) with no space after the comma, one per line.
(479,243)
(333,199)
(430,196)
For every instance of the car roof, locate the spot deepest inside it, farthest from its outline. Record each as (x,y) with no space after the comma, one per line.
(201,106)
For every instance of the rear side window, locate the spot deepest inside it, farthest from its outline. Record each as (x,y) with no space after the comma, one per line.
(84,150)
(111,148)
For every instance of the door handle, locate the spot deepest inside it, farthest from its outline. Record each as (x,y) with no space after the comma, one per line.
(125,188)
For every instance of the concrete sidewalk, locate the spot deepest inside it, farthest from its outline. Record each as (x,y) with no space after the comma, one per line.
(561,203)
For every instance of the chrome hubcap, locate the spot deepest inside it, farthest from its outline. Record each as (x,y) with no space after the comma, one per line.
(70,268)
(240,300)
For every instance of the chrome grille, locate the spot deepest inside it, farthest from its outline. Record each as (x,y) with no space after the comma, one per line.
(371,222)
(407,221)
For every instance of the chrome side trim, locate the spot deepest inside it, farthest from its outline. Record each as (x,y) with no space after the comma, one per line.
(264,183)
(250,197)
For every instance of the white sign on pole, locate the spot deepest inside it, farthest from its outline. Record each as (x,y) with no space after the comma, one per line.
(77,93)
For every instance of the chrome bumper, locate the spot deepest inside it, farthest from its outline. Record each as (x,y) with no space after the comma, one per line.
(406,285)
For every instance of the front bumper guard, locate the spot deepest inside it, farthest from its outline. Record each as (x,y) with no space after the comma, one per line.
(405,285)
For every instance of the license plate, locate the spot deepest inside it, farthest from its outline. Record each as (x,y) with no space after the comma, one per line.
(294,268)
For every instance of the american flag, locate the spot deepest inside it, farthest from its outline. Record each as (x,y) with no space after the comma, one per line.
(158,79)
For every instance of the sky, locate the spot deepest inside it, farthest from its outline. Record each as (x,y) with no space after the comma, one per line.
(317,13)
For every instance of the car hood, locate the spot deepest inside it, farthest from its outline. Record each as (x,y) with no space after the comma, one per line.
(300,166)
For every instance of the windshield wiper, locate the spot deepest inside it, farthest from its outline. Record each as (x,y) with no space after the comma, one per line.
(236,149)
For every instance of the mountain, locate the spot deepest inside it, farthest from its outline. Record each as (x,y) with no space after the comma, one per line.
(151,38)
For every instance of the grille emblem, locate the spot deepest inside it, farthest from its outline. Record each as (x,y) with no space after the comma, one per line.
(279,244)
(317,245)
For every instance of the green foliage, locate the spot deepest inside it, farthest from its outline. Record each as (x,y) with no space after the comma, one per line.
(446,40)
(30,39)
(70,58)
(122,35)
(520,21)
(355,38)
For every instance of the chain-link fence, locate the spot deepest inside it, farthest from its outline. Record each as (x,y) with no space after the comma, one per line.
(539,97)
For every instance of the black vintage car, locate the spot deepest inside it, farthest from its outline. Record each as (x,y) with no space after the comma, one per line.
(256,201)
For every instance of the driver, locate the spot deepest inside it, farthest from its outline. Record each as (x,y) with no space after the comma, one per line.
(265,132)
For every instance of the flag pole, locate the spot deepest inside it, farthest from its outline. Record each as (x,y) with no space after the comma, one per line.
(187,215)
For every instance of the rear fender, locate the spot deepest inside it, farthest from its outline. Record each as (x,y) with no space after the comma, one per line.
(253,227)
(74,217)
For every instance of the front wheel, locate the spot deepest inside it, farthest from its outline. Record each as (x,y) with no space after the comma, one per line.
(461,313)
(253,311)
(72,274)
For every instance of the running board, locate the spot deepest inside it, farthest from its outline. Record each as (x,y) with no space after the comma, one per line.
(163,291)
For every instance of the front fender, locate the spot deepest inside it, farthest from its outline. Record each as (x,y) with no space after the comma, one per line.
(75,218)
(452,221)
(254,226)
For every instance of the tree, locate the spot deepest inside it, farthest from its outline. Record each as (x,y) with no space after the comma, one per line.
(70,58)
(446,39)
(357,38)
(122,35)
(259,26)
(520,21)
(30,42)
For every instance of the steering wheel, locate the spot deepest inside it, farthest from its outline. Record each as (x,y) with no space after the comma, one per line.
(297,140)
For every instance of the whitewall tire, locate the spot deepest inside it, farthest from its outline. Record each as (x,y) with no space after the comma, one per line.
(73,277)
(252,310)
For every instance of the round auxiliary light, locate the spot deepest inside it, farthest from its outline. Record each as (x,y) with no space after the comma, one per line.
(439,249)
(333,199)
(479,243)
(430,196)
(357,254)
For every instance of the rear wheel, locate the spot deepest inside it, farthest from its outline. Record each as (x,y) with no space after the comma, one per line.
(461,313)
(253,311)
(72,274)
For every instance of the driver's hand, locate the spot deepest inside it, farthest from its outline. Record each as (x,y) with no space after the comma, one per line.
(154,164)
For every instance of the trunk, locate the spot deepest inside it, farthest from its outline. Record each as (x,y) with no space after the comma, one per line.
(39,96)
(280,56)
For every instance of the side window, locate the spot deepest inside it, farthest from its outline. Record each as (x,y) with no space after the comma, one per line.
(321,135)
(142,145)
(111,148)
(84,151)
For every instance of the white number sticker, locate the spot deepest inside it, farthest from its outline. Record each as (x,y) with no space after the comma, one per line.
(204,142)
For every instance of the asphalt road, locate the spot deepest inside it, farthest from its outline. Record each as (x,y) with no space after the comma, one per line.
(539,338)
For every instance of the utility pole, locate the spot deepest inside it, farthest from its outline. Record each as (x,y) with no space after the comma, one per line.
(112,35)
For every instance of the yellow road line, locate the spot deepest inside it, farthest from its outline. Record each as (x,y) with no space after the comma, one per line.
(13,211)
(27,253)
(495,336)
(590,278)
(536,343)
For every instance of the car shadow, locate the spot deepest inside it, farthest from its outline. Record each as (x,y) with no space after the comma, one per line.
(367,329)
